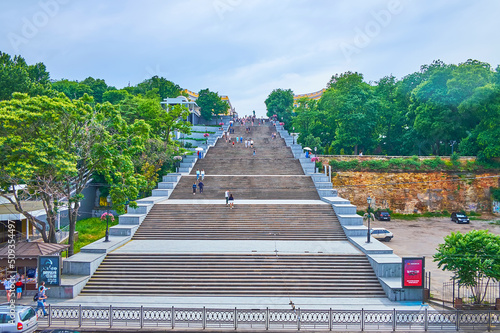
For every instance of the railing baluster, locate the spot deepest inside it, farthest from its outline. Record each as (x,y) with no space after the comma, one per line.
(80,315)
(235,318)
(172,317)
(330,319)
(142,316)
(203,320)
(362,319)
(267,318)
(110,316)
(426,319)
(394,320)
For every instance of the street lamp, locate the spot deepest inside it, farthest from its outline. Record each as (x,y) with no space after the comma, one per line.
(293,135)
(369,201)
(108,199)
(315,151)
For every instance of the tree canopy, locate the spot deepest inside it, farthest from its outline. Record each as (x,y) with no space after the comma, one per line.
(210,104)
(472,257)
(439,109)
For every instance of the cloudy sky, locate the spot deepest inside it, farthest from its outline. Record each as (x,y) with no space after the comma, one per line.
(246,48)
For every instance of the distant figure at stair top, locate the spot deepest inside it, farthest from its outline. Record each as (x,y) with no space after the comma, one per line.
(231,201)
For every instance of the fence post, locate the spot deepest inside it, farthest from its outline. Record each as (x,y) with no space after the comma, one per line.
(394,320)
(298,319)
(426,319)
(489,320)
(142,316)
(362,319)
(203,321)
(330,320)
(267,318)
(172,317)
(110,316)
(235,318)
(50,315)
(453,293)
(80,315)
(457,320)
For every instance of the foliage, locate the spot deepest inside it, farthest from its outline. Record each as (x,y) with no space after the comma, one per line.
(440,108)
(90,230)
(280,103)
(412,164)
(472,257)
(495,193)
(210,104)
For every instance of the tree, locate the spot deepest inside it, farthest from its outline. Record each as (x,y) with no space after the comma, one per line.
(51,147)
(14,76)
(210,103)
(165,88)
(72,89)
(280,103)
(353,107)
(472,257)
(98,87)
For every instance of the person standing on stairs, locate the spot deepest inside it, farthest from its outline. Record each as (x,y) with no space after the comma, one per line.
(200,186)
(202,174)
(226,194)
(194,188)
(231,201)
(197,174)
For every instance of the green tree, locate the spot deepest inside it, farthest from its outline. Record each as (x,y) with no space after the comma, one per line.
(72,89)
(114,96)
(50,148)
(14,76)
(210,104)
(165,88)
(352,106)
(280,103)
(98,87)
(472,257)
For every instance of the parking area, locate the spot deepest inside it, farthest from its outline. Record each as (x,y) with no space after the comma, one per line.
(421,238)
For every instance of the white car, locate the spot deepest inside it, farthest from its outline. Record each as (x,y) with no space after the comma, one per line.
(382,234)
(25,319)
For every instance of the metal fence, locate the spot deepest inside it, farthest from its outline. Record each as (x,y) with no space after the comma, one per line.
(151,318)
(453,290)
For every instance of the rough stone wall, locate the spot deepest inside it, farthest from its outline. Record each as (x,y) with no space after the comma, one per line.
(417,192)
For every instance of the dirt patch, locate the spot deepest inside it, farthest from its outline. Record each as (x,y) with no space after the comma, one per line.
(421,237)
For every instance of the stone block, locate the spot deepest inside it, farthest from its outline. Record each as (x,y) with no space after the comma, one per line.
(132,219)
(344,209)
(353,219)
(323,185)
(166,185)
(123,230)
(327,193)
(161,193)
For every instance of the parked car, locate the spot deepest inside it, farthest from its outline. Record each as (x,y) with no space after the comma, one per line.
(382,216)
(382,234)
(459,218)
(25,319)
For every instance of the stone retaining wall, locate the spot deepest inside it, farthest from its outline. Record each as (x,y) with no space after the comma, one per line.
(409,192)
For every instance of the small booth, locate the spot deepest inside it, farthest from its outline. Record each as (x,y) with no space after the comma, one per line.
(27,259)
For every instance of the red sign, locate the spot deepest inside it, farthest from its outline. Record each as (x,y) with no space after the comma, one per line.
(413,272)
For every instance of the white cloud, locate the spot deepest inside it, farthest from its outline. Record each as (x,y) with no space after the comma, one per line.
(247,48)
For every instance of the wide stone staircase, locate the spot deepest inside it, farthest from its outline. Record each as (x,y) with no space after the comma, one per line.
(318,275)
(249,187)
(280,240)
(257,222)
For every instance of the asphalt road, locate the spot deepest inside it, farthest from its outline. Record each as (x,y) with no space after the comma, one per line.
(421,237)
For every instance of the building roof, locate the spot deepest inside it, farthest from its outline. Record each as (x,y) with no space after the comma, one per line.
(31,250)
(314,95)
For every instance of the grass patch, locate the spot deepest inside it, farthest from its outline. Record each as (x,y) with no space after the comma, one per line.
(497,222)
(209,132)
(90,230)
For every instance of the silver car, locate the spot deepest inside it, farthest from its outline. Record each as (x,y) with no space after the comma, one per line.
(25,319)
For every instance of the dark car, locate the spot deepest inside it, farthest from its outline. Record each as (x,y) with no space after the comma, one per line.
(383,216)
(459,218)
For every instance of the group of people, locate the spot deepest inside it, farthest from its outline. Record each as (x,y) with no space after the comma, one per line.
(200,176)
(273,136)
(19,282)
(229,199)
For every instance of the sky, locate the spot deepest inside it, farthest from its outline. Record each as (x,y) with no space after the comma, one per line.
(247,48)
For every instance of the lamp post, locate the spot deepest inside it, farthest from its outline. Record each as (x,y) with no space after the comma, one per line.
(293,135)
(108,199)
(315,151)
(369,201)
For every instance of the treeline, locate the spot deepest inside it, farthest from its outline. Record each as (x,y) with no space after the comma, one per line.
(437,110)
(56,137)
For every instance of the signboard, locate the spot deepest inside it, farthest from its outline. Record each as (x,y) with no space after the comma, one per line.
(49,270)
(413,272)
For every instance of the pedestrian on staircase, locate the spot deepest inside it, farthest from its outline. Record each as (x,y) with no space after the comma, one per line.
(194,188)
(200,186)
(246,143)
(197,174)
(254,152)
(226,194)
(202,174)
(231,201)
